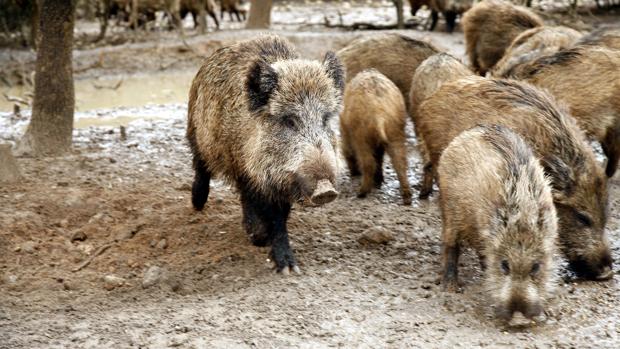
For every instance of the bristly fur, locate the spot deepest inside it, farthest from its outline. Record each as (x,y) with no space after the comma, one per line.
(489,28)
(580,185)
(587,79)
(495,198)
(534,43)
(393,55)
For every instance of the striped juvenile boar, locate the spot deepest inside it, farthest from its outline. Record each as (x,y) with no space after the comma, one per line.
(259,118)
(495,198)
(373,122)
(578,182)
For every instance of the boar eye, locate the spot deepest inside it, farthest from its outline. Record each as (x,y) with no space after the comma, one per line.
(583,219)
(535,269)
(505,267)
(289,121)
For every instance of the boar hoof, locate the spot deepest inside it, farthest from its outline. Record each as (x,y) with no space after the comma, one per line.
(287,270)
(323,193)
(407,199)
(450,285)
(606,274)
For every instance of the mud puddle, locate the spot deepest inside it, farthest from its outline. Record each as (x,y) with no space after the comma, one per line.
(118,91)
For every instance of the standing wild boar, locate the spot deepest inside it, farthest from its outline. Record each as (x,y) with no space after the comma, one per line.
(259,117)
(393,55)
(608,36)
(496,199)
(373,122)
(534,43)
(587,79)
(578,182)
(450,9)
(489,28)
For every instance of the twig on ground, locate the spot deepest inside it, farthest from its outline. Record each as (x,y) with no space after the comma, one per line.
(99,251)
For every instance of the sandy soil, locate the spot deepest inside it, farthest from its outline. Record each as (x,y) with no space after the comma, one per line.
(163,275)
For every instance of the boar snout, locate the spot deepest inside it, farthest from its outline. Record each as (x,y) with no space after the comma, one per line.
(323,193)
(598,269)
(529,309)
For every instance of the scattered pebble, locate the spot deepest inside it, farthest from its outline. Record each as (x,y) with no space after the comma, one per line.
(29,246)
(153,275)
(78,235)
(111,282)
(162,244)
(376,235)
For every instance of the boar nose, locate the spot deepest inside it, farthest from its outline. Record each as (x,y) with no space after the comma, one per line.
(323,193)
(528,309)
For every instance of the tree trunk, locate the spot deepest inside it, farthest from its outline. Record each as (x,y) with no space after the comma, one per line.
(399,14)
(103,14)
(260,14)
(51,125)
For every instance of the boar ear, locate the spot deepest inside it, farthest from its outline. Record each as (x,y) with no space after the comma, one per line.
(561,176)
(261,81)
(334,69)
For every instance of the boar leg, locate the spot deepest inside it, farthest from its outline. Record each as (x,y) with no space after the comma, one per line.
(214,16)
(200,187)
(398,155)
(368,166)
(434,19)
(450,251)
(253,221)
(611,148)
(378,175)
(265,223)
(427,181)
(450,17)
(349,157)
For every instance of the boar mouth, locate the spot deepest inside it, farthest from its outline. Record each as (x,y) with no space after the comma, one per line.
(323,193)
(600,270)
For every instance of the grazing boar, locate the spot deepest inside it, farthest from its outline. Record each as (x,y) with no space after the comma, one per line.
(587,79)
(259,117)
(495,198)
(579,184)
(534,43)
(393,55)
(373,122)
(490,27)
(450,9)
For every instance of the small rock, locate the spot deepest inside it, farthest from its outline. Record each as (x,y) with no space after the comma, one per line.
(78,235)
(111,282)
(376,235)
(29,246)
(185,187)
(11,279)
(62,184)
(152,276)
(64,223)
(112,160)
(162,244)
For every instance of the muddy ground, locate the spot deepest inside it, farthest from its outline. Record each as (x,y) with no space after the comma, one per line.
(161,275)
